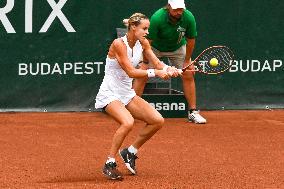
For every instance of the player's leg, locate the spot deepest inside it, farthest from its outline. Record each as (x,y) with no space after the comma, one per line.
(188,83)
(118,111)
(142,110)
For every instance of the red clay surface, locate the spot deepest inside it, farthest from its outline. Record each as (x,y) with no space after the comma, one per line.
(236,149)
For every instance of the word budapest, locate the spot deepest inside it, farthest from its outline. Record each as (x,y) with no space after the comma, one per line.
(56,12)
(77,68)
(256,66)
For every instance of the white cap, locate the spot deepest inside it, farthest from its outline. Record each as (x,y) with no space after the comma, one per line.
(177,4)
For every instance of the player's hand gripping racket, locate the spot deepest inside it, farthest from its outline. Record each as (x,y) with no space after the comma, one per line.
(213,60)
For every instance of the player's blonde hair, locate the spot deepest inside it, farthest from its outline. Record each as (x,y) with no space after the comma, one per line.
(134,19)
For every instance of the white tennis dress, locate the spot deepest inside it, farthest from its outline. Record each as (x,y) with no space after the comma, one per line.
(117,85)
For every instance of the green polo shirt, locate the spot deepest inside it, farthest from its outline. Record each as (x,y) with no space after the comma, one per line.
(166,36)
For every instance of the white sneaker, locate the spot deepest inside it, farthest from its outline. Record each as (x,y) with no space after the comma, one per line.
(195,117)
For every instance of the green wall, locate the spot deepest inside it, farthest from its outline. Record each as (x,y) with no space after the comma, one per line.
(72,61)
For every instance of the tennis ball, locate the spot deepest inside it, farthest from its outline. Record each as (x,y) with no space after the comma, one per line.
(213,62)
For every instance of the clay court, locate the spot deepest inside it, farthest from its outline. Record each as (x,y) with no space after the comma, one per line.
(236,149)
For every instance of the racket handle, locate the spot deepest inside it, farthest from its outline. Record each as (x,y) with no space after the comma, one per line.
(180,71)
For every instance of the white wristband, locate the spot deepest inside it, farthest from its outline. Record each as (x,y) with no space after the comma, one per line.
(165,67)
(151,72)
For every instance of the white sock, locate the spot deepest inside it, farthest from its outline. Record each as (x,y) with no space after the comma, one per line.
(110,159)
(132,150)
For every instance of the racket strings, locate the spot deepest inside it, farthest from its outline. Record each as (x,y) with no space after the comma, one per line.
(224,56)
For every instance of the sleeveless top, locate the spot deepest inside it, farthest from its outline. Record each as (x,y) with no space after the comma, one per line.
(117,85)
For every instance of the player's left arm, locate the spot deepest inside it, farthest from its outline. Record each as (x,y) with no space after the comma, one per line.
(150,56)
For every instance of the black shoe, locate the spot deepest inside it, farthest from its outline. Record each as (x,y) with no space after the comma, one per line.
(129,159)
(111,172)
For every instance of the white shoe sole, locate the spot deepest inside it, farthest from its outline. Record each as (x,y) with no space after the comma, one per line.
(190,120)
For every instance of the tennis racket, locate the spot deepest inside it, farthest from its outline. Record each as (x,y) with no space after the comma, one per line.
(213,60)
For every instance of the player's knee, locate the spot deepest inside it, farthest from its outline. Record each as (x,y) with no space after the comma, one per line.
(159,122)
(128,124)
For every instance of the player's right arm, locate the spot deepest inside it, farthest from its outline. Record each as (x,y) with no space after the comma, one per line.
(149,55)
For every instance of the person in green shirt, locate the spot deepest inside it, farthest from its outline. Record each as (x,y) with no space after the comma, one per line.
(172,35)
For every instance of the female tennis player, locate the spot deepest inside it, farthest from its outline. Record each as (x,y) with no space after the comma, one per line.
(119,100)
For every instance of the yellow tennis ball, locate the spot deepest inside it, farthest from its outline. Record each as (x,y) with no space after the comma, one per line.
(213,62)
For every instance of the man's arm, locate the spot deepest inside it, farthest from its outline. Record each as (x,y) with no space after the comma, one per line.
(189,49)
(190,35)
